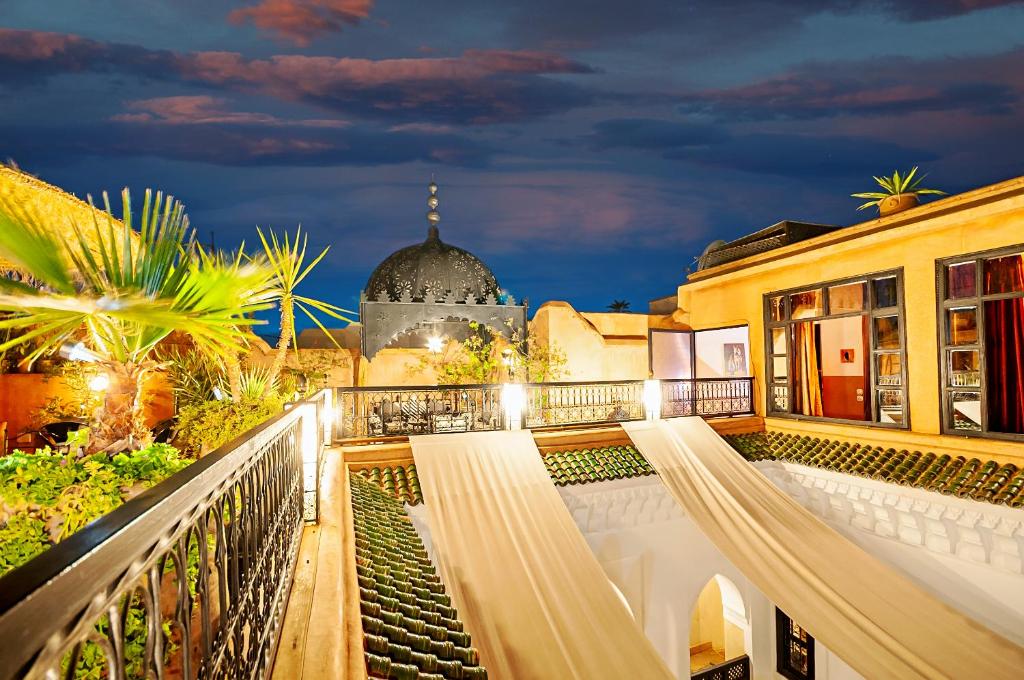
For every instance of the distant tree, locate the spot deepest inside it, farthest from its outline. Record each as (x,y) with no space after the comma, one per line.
(619,306)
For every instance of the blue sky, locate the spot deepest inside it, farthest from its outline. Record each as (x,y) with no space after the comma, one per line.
(587,150)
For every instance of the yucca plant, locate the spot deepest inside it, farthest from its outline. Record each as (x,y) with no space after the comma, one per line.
(254,383)
(287,259)
(895,186)
(120,294)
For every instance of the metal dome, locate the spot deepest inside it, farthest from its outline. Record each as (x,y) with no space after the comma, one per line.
(432,271)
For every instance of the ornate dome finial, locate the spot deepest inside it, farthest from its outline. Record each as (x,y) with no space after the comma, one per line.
(432,215)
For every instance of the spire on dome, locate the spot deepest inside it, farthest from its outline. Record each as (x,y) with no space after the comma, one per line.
(433,217)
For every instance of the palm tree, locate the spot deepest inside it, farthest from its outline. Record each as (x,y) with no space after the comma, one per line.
(286,258)
(619,306)
(120,295)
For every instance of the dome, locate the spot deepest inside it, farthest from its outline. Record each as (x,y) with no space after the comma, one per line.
(432,269)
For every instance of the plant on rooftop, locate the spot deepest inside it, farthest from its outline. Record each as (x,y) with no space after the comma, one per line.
(619,306)
(287,259)
(900,192)
(120,296)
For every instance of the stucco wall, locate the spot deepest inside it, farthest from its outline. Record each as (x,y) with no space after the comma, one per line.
(597,346)
(977,221)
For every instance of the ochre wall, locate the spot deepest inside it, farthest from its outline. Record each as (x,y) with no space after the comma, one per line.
(22,394)
(597,346)
(984,219)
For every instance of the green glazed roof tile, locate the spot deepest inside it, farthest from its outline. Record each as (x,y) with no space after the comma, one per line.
(974,478)
(410,630)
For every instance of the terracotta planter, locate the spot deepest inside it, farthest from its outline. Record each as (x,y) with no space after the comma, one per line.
(897,203)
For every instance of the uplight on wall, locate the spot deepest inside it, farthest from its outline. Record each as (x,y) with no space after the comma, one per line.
(652,399)
(435,344)
(512,401)
(99,382)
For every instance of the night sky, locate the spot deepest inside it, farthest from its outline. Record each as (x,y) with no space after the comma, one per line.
(586,150)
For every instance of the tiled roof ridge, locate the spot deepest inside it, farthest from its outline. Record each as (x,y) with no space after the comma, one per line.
(410,629)
(973,478)
(572,466)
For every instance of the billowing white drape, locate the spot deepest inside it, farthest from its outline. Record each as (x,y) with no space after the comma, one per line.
(873,617)
(527,586)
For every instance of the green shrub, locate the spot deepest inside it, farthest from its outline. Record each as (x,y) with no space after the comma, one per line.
(46,497)
(202,427)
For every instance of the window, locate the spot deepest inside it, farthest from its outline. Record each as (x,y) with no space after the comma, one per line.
(836,351)
(981,314)
(794,651)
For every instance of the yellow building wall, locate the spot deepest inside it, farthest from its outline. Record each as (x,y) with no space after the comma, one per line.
(980,220)
(597,346)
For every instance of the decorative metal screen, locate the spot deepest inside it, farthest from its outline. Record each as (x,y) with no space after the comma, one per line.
(550,404)
(189,579)
(402,411)
(707,397)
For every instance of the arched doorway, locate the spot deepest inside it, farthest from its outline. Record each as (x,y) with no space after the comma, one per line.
(718,625)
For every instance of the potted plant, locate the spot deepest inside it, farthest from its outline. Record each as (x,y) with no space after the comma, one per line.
(900,193)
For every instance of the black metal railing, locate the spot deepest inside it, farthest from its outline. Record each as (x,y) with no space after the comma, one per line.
(187,580)
(380,412)
(370,412)
(707,397)
(565,403)
(733,669)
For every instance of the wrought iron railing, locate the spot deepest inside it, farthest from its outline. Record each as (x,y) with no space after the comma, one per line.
(187,580)
(380,412)
(554,404)
(372,412)
(733,669)
(707,397)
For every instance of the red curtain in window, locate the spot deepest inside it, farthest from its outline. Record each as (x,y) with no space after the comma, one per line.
(1004,347)
(806,375)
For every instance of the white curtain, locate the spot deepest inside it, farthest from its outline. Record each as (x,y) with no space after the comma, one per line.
(521,575)
(877,620)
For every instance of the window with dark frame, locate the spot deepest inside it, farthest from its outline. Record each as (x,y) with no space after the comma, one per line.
(811,337)
(981,336)
(794,649)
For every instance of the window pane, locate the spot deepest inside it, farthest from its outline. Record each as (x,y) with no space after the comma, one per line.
(890,406)
(962,323)
(885,292)
(1004,365)
(961,281)
(798,658)
(965,411)
(844,369)
(778,341)
(889,369)
(805,305)
(780,398)
(964,368)
(887,332)
(779,367)
(1004,274)
(846,298)
(777,308)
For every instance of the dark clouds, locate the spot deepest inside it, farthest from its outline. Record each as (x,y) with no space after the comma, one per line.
(586,149)
(990,85)
(479,86)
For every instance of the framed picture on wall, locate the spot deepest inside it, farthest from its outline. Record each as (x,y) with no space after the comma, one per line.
(735,354)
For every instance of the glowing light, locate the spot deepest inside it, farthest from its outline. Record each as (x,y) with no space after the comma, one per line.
(652,399)
(99,382)
(435,344)
(512,400)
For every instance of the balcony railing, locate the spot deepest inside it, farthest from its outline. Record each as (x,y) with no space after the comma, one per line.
(733,669)
(382,412)
(379,412)
(707,397)
(187,580)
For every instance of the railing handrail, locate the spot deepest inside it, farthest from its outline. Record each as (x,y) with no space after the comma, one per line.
(418,388)
(111,544)
(478,386)
(746,378)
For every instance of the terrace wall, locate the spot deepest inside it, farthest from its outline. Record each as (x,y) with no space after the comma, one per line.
(597,345)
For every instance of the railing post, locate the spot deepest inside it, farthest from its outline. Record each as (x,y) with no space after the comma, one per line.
(512,398)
